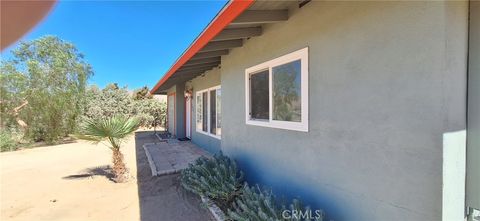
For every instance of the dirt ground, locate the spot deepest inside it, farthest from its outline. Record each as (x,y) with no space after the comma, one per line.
(53,183)
(69,182)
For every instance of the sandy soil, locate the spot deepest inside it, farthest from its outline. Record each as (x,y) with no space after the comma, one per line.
(53,183)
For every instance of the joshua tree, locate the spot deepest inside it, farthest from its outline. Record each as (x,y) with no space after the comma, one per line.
(112,131)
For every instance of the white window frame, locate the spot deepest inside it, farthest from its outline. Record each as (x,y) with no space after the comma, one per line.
(207,118)
(301,55)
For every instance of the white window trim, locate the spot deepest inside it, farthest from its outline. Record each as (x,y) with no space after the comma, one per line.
(207,118)
(301,54)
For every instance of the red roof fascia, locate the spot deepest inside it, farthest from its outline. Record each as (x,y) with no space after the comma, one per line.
(232,11)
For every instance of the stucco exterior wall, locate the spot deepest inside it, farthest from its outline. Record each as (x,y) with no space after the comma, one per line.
(180,110)
(473,135)
(178,91)
(386,80)
(171,116)
(210,79)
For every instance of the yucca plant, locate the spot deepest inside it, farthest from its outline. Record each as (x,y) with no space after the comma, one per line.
(112,131)
(256,204)
(217,178)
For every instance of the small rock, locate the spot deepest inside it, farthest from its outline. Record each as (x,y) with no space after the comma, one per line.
(53,201)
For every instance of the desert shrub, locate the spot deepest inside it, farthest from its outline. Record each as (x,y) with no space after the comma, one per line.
(108,102)
(118,101)
(7,143)
(151,112)
(9,139)
(255,204)
(217,178)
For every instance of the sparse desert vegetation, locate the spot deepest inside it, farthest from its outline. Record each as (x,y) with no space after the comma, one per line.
(45,96)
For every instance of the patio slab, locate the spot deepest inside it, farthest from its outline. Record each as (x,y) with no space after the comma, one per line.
(162,197)
(169,156)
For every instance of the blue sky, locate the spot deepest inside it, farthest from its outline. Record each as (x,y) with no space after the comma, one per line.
(128,42)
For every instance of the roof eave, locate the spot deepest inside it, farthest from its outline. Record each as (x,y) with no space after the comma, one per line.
(231,11)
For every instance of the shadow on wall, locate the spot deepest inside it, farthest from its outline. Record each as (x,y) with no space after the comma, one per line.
(210,144)
(286,188)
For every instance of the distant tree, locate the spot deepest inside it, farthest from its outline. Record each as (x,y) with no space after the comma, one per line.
(13,85)
(112,86)
(142,93)
(42,88)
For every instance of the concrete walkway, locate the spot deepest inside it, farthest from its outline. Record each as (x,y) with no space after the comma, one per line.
(162,198)
(170,156)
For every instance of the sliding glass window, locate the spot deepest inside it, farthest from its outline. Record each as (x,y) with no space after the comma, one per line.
(276,92)
(208,108)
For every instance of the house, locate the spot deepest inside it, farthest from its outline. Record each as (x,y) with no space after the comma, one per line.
(359,108)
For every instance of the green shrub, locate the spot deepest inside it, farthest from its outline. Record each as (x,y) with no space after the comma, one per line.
(151,112)
(260,205)
(254,204)
(216,178)
(107,102)
(7,141)
(117,101)
(219,179)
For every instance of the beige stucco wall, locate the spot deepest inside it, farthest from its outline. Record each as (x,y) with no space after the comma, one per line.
(387,80)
